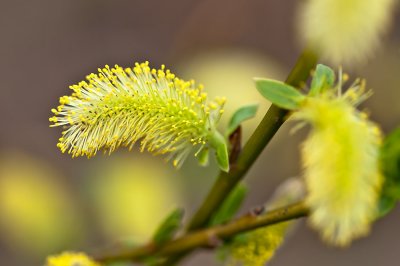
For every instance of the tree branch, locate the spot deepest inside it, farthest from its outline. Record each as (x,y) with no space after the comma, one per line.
(270,124)
(224,184)
(203,238)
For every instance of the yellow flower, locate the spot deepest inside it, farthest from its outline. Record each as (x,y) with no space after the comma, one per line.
(344,30)
(117,107)
(340,159)
(257,247)
(70,259)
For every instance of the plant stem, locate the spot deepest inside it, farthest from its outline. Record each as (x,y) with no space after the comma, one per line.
(270,124)
(205,237)
(272,121)
(225,183)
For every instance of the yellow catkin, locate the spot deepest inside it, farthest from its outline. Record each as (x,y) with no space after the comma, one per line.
(340,160)
(344,31)
(71,259)
(118,107)
(257,247)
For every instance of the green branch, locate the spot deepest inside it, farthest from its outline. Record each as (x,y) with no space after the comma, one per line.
(225,183)
(205,237)
(270,124)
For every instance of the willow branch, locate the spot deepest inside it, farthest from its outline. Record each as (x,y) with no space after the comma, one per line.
(272,121)
(270,124)
(224,184)
(205,237)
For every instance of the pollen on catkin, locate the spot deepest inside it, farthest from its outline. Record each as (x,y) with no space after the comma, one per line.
(340,160)
(257,247)
(344,31)
(118,107)
(71,259)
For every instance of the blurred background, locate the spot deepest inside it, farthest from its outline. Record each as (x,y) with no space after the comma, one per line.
(50,202)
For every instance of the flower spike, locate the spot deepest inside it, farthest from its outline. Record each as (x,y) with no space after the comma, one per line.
(71,259)
(341,163)
(118,107)
(345,31)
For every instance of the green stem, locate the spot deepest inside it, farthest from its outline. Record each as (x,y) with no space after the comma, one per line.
(270,124)
(204,238)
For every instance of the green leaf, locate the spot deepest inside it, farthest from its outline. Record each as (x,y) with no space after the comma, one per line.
(218,143)
(324,78)
(222,253)
(203,155)
(242,114)
(119,263)
(279,93)
(385,205)
(152,261)
(390,164)
(128,242)
(168,227)
(230,205)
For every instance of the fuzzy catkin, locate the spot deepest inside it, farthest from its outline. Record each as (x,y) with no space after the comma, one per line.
(118,107)
(71,259)
(344,31)
(340,161)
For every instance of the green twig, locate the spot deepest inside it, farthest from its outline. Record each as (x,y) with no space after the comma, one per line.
(205,237)
(224,184)
(270,124)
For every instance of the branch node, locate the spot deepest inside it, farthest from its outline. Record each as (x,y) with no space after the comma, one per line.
(214,241)
(256,211)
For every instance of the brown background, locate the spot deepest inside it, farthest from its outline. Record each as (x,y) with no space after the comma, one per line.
(46,45)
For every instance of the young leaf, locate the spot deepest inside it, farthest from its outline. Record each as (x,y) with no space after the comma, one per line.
(279,93)
(151,261)
(390,163)
(168,227)
(218,142)
(385,205)
(324,77)
(202,156)
(240,115)
(119,263)
(230,206)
